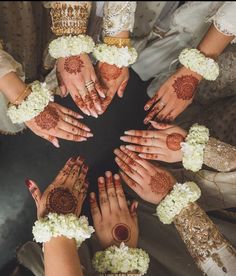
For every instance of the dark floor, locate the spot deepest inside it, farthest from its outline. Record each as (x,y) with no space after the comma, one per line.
(28,156)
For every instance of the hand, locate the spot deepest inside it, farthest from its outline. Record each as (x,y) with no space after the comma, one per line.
(174,96)
(163,143)
(114,79)
(76,75)
(58,121)
(151,183)
(113,221)
(66,193)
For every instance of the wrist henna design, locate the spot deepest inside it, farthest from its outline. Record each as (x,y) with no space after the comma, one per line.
(73,64)
(109,72)
(185,86)
(61,201)
(121,232)
(174,140)
(48,118)
(160,183)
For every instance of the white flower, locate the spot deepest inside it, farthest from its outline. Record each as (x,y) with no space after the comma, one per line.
(193,147)
(194,60)
(34,104)
(121,260)
(70,226)
(179,198)
(66,46)
(121,57)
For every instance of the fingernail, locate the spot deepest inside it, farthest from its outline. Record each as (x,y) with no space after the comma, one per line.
(122,138)
(56,143)
(89,135)
(122,147)
(80,116)
(92,195)
(28,183)
(108,173)
(140,155)
(127,132)
(116,176)
(83,139)
(86,128)
(116,151)
(145,121)
(73,159)
(146,107)
(136,204)
(129,147)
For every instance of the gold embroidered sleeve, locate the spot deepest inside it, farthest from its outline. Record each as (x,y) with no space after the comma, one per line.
(70,18)
(220,156)
(209,249)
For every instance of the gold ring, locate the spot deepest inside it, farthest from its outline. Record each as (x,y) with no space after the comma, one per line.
(89,83)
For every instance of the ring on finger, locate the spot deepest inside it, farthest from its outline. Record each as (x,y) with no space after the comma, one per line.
(89,83)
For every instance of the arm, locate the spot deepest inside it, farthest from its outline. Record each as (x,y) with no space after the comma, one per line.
(61,258)
(211,251)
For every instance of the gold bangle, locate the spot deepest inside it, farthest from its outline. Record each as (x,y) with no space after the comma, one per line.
(117,41)
(22,95)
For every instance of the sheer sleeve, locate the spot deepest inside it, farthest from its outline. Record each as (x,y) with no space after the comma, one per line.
(220,156)
(225,20)
(69,17)
(210,250)
(118,16)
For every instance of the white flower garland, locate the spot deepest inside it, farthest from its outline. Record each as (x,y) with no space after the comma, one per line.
(121,57)
(34,104)
(66,46)
(55,225)
(194,60)
(193,147)
(121,260)
(179,198)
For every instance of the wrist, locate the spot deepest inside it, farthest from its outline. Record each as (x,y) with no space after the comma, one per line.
(61,241)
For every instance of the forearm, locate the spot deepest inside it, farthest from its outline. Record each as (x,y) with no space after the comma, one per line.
(61,258)
(214,43)
(210,250)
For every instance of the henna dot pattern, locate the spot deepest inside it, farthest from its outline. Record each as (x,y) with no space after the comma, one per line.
(61,201)
(121,232)
(73,64)
(109,72)
(185,86)
(48,118)
(174,140)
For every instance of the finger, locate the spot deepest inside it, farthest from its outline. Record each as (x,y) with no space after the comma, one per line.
(120,193)
(63,90)
(73,175)
(155,110)
(74,122)
(95,211)
(144,149)
(103,199)
(34,190)
(74,129)
(165,111)
(95,98)
(102,91)
(83,193)
(149,156)
(81,177)
(60,133)
(87,98)
(143,133)
(78,99)
(111,192)
(140,141)
(122,88)
(133,211)
(51,139)
(151,102)
(70,112)
(64,172)
(158,125)
(132,184)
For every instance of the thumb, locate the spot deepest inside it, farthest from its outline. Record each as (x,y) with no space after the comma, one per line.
(51,139)
(121,89)
(160,125)
(34,190)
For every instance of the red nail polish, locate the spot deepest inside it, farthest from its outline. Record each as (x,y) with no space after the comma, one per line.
(28,183)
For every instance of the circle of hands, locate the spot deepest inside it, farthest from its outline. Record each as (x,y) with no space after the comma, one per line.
(114,220)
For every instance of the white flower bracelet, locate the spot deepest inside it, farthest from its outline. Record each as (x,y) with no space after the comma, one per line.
(194,60)
(34,104)
(179,198)
(55,225)
(121,260)
(66,46)
(193,147)
(119,56)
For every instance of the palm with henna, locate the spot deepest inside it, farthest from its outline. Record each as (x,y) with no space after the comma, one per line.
(114,222)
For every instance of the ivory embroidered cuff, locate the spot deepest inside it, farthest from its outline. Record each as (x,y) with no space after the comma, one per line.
(194,60)
(121,260)
(121,57)
(34,104)
(70,226)
(193,147)
(66,46)
(179,198)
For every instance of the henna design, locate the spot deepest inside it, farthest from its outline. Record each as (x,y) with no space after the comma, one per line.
(61,201)
(48,118)
(103,200)
(121,232)
(106,102)
(73,64)
(94,96)
(185,86)
(88,102)
(160,183)
(174,140)
(79,102)
(109,72)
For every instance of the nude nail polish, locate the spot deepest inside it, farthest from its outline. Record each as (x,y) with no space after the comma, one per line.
(28,183)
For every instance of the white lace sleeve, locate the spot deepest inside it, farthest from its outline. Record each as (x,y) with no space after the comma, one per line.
(225,19)
(118,17)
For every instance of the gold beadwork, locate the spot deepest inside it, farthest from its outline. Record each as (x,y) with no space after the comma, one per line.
(21,96)
(70,19)
(117,41)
